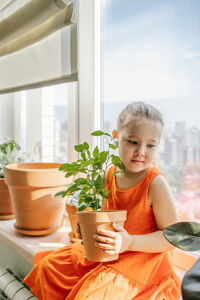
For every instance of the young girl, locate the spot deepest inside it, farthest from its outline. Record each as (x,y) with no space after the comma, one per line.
(144,270)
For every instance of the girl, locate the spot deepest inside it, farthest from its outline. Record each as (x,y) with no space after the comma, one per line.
(144,269)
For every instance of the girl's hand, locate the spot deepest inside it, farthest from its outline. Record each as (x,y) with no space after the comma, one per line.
(113,242)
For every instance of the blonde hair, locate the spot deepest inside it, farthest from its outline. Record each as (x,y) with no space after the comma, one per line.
(138,109)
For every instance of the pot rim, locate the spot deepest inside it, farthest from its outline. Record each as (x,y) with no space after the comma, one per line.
(33,166)
(101,216)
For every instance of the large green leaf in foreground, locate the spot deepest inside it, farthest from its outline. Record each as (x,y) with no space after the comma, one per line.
(184,235)
(191,283)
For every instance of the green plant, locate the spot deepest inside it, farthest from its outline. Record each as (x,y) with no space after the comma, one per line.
(186,236)
(7,154)
(93,165)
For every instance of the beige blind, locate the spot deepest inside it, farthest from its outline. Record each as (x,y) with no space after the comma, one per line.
(37,43)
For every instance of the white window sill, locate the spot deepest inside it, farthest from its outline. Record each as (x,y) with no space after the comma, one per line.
(27,246)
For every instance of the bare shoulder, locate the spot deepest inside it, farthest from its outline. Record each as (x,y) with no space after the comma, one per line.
(157,186)
(159,182)
(162,202)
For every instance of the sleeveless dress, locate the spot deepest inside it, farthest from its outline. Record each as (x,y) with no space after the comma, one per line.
(67,274)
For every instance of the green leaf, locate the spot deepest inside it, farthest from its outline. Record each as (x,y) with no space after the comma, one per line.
(114,173)
(116,159)
(79,148)
(68,175)
(97,133)
(86,163)
(105,133)
(112,146)
(83,155)
(190,283)
(103,156)
(69,167)
(58,194)
(104,193)
(73,188)
(81,181)
(184,235)
(96,152)
(82,207)
(86,146)
(88,153)
(98,182)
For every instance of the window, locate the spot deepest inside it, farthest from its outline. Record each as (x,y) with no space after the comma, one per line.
(152,53)
(37,119)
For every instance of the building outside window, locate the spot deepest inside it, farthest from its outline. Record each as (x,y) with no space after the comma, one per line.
(151,53)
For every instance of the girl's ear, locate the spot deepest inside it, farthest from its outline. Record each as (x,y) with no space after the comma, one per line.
(114,134)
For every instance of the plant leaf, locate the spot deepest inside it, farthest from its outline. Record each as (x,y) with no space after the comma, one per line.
(86,146)
(103,156)
(58,194)
(82,207)
(69,174)
(190,283)
(97,133)
(116,159)
(112,146)
(83,155)
(73,188)
(96,152)
(98,182)
(79,148)
(184,235)
(81,181)
(68,167)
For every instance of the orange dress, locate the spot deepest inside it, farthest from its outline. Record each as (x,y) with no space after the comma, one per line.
(67,274)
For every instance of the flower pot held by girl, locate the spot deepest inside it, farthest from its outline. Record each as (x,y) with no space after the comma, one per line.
(32,187)
(90,222)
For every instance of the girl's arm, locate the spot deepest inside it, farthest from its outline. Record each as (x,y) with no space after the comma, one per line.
(165,214)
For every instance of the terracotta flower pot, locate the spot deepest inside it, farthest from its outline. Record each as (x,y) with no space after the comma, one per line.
(6,208)
(90,222)
(32,187)
(71,211)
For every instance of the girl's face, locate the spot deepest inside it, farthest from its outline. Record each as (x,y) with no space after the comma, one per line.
(138,144)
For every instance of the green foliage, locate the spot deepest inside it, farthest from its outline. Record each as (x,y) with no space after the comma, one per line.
(184,235)
(190,283)
(93,165)
(7,154)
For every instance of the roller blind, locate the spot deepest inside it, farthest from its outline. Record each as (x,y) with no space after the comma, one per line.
(37,43)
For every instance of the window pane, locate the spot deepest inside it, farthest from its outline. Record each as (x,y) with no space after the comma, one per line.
(152,53)
(37,120)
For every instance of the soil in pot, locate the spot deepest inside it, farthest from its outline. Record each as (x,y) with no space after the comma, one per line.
(90,222)
(6,208)
(32,187)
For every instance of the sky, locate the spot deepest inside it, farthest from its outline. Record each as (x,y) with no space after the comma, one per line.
(152,53)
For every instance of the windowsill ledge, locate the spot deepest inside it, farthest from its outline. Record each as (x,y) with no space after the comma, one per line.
(27,246)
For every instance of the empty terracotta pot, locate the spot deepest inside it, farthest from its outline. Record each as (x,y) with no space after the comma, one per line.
(6,208)
(90,222)
(71,211)
(32,187)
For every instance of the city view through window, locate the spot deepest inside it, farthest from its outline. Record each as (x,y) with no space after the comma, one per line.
(151,53)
